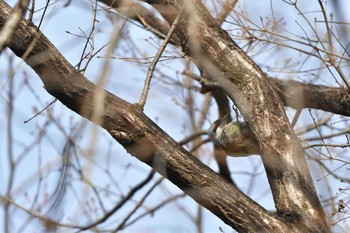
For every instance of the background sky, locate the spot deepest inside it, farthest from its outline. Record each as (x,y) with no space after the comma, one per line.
(108,170)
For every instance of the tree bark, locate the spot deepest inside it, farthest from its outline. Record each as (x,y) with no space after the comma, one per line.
(294,94)
(300,95)
(298,208)
(213,50)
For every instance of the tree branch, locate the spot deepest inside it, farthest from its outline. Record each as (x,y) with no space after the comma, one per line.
(294,94)
(134,10)
(300,95)
(213,50)
(9,27)
(137,133)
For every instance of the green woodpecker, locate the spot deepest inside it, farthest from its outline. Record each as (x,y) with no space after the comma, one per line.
(235,138)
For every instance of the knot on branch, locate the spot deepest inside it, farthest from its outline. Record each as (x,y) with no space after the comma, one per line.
(136,144)
(291,217)
(126,138)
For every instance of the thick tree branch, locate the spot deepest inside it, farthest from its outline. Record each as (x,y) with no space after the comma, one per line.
(134,10)
(16,17)
(137,133)
(294,94)
(297,95)
(214,51)
(300,95)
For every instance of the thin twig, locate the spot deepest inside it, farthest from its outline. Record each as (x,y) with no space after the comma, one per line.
(327,145)
(151,69)
(51,103)
(225,11)
(296,117)
(152,210)
(120,203)
(193,136)
(319,132)
(138,205)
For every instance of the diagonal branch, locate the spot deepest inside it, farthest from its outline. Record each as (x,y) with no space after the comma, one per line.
(152,67)
(294,94)
(11,24)
(213,50)
(140,136)
(134,10)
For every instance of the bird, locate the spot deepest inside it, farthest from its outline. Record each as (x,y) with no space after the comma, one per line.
(235,138)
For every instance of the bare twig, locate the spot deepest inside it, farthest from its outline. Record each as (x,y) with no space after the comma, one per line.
(120,203)
(38,113)
(151,69)
(155,208)
(122,224)
(225,11)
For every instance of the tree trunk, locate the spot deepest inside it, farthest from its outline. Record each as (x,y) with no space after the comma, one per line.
(298,208)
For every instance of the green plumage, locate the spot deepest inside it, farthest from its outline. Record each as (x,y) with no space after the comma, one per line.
(236,138)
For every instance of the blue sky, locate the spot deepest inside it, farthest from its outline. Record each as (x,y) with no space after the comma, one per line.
(96,150)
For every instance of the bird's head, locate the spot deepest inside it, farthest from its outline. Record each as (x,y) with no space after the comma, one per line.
(217,126)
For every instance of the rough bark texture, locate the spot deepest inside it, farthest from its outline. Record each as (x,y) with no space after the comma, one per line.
(298,208)
(293,93)
(138,134)
(134,10)
(302,95)
(214,51)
